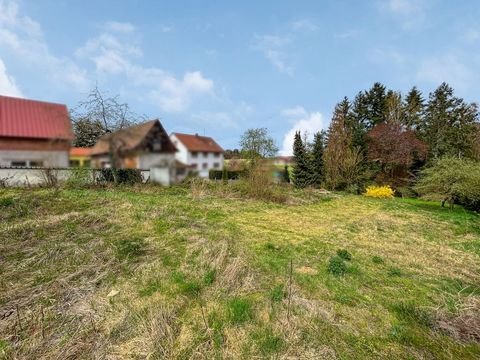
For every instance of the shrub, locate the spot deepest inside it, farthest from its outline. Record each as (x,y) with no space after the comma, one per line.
(382,192)
(455,180)
(337,266)
(344,254)
(225,174)
(377,260)
(123,176)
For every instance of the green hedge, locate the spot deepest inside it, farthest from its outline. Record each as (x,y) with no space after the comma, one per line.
(225,174)
(124,176)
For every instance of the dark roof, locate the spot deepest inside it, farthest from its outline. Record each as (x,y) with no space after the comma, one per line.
(23,118)
(198,143)
(131,138)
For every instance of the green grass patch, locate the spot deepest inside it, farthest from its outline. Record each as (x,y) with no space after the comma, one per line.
(239,310)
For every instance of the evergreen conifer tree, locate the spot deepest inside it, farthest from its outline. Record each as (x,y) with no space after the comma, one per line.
(414,106)
(449,125)
(301,171)
(317,164)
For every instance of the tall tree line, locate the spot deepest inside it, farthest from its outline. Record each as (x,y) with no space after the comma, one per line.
(385,136)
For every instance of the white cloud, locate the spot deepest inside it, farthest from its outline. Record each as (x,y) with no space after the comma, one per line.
(115,54)
(388,55)
(23,37)
(8,85)
(121,27)
(273,48)
(472,35)
(232,119)
(306,122)
(303,25)
(167,28)
(346,34)
(410,13)
(295,112)
(449,68)
(176,95)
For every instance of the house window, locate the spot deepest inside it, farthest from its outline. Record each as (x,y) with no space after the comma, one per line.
(205,166)
(180,171)
(194,154)
(205,153)
(216,165)
(217,155)
(18,163)
(36,163)
(86,163)
(74,163)
(195,166)
(157,145)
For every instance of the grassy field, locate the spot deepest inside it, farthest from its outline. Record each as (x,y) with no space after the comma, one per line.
(164,274)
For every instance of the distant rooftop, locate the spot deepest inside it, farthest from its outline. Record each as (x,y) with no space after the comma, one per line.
(197,143)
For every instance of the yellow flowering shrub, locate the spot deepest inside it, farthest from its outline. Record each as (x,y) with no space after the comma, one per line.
(383,192)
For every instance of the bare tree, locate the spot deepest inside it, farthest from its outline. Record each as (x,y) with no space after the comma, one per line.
(107,112)
(101,115)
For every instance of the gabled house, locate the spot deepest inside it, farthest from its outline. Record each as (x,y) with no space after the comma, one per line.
(142,146)
(34,133)
(201,153)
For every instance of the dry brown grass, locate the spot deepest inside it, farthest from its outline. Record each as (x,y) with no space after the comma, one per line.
(464,325)
(202,250)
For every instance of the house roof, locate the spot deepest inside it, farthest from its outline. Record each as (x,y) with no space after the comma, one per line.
(23,118)
(80,151)
(129,138)
(198,143)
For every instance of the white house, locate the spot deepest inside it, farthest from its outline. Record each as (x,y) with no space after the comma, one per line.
(201,153)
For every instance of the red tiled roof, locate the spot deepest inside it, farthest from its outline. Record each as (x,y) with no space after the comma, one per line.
(199,143)
(80,151)
(34,119)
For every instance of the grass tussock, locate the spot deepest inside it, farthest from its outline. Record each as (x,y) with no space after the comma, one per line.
(214,270)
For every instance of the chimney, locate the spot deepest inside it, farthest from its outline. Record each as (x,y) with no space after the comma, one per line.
(196,134)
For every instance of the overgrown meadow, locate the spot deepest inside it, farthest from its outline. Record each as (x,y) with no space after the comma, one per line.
(204,273)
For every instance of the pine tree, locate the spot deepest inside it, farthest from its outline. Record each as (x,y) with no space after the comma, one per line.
(449,124)
(414,106)
(376,101)
(317,164)
(301,169)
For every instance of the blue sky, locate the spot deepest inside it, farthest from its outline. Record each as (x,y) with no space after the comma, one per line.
(220,67)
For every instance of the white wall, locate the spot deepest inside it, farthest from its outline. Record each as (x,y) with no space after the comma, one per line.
(36,177)
(186,157)
(150,160)
(54,158)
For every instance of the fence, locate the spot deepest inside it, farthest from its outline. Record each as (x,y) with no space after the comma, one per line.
(24,177)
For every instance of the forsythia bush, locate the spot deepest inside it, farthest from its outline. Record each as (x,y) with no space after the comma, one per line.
(384,192)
